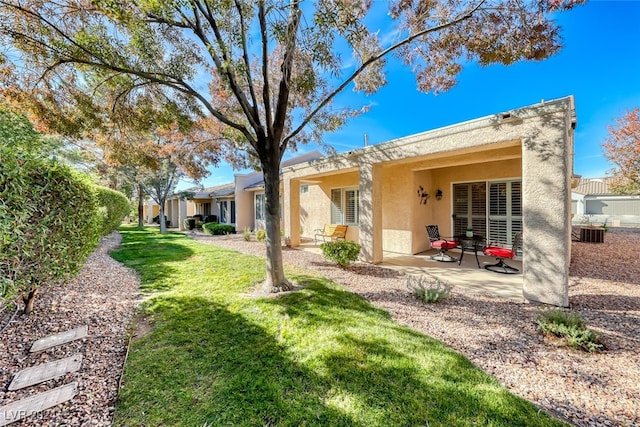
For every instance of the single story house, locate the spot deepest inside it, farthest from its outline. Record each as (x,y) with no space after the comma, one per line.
(501,174)
(239,203)
(593,202)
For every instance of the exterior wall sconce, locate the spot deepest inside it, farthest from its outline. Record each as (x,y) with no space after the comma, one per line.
(439,194)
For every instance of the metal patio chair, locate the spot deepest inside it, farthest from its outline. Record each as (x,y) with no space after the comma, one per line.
(501,254)
(441,244)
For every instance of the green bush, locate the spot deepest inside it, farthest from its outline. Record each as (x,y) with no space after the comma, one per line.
(49,223)
(342,252)
(428,289)
(218,229)
(261,235)
(570,327)
(115,206)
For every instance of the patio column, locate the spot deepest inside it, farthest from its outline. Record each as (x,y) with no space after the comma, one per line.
(546,216)
(149,211)
(182,213)
(371,212)
(291,211)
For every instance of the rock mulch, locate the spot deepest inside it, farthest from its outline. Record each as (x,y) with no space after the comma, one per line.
(103,297)
(500,336)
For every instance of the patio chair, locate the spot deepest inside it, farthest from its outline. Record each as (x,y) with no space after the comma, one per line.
(501,254)
(441,244)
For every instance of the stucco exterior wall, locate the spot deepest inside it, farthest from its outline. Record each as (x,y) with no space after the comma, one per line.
(245,211)
(315,206)
(534,142)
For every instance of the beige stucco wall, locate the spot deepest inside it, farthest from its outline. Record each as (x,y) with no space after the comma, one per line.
(534,142)
(315,206)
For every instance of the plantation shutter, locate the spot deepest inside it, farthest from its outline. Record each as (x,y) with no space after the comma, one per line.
(351,207)
(336,206)
(505,211)
(470,205)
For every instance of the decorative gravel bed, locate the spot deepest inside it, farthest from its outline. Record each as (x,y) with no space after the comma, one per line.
(103,297)
(500,336)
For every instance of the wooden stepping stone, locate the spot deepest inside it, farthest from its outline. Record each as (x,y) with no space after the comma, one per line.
(46,371)
(61,338)
(31,405)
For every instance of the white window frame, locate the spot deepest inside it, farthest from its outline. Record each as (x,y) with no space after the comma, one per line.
(260,214)
(507,221)
(337,213)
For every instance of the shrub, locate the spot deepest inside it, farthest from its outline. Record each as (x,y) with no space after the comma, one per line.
(115,206)
(570,327)
(218,229)
(261,235)
(210,218)
(428,289)
(246,234)
(342,252)
(49,223)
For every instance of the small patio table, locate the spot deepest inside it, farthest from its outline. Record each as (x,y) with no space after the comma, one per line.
(473,244)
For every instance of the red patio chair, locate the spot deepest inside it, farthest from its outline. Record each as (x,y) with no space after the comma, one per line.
(442,244)
(501,254)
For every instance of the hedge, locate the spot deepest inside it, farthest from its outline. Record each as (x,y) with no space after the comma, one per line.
(114,206)
(218,229)
(49,223)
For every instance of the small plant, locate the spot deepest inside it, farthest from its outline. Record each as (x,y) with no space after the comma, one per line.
(570,327)
(342,252)
(261,235)
(246,234)
(428,289)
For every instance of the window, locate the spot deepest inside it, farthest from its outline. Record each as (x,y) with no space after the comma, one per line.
(233,211)
(505,210)
(304,188)
(223,212)
(345,206)
(492,209)
(260,209)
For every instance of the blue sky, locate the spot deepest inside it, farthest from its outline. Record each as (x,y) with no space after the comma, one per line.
(599,65)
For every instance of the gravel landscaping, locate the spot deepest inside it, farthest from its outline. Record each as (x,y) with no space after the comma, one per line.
(500,336)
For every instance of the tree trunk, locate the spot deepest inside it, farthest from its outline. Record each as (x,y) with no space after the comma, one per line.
(163,224)
(29,300)
(140,206)
(276,281)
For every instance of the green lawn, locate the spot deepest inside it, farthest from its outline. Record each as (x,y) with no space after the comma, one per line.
(318,356)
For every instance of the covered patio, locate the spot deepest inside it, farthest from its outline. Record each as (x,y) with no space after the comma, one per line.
(467,275)
(501,176)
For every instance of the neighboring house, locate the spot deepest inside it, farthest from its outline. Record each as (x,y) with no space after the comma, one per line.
(502,174)
(592,202)
(151,210)
(240,203)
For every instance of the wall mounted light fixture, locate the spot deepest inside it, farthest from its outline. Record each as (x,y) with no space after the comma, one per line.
(439,194)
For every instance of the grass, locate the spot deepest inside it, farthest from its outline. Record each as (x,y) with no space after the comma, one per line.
(317,356)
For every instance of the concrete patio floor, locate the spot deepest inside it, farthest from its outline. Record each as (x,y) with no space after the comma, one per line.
(467,275)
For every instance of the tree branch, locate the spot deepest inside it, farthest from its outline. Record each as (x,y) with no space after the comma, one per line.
(373,59)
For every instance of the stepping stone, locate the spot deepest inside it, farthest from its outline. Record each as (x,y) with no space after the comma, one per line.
(46,371)
(31,405)
(61,338)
